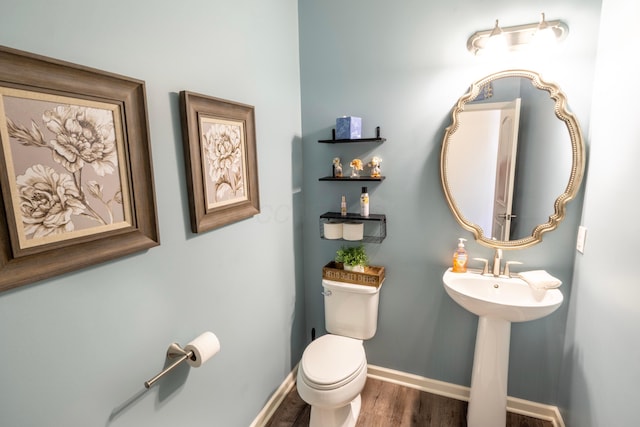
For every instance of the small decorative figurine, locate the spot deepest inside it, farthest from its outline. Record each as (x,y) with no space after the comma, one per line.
(356,167)
(374,164)
(337,167)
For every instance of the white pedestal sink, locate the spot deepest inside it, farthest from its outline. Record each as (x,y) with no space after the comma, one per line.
(498,301)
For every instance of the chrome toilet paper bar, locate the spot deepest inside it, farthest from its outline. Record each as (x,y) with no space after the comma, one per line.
(174,351)
(195,354)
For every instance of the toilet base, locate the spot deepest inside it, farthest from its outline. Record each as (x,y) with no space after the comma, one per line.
(345,416)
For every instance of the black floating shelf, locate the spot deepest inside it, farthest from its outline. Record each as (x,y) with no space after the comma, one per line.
(333,140)
(375,225)
(339,141)
(353,216)
(348,178)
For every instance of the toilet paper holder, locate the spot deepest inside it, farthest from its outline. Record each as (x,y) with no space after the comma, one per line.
(173,352)
(195,353)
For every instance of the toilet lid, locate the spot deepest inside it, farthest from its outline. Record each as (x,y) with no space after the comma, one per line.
(332,360)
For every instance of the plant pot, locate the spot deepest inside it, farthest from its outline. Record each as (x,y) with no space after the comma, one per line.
(354,268)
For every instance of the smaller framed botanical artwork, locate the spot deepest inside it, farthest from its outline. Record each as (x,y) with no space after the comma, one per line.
(76,178)
(219,140)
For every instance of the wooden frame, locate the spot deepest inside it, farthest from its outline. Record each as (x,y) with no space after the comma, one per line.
(219,141)
(75,168)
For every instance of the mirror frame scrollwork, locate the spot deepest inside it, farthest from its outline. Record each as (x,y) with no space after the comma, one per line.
(577,167)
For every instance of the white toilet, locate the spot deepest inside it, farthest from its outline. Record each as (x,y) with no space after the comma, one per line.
(333,369)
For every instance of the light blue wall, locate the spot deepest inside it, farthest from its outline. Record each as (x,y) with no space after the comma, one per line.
(76,349)
(601,375)
(402,66)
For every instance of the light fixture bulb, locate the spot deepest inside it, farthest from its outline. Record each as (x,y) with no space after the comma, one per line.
(544,37)
(496,42)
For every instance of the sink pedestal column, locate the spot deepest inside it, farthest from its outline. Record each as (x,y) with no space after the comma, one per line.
(488,398)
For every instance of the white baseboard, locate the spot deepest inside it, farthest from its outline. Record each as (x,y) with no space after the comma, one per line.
(276,399)
(518,406)
(440,388)
(538,410)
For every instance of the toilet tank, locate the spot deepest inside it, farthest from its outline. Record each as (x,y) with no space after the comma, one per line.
(351,310)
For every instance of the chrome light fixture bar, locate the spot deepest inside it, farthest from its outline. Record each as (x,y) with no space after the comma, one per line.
(518,36)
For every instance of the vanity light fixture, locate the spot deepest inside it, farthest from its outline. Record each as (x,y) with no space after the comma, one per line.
(517,37)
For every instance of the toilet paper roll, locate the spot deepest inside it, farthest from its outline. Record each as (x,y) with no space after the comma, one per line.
(352,230)
(333,230)
(204,348)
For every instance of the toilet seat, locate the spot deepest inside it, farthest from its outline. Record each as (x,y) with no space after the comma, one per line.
(332,361)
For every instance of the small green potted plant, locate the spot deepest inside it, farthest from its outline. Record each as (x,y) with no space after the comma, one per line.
(354,258)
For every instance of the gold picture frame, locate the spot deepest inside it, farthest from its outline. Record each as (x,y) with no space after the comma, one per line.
(219,141)
(76,173)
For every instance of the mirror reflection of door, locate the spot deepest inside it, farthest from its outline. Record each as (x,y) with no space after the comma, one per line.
(490,153)
(505,170)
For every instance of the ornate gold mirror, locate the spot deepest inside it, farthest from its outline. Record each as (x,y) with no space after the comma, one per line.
(511,159)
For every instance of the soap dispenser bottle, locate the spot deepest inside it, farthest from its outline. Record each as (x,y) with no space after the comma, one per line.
(460,257)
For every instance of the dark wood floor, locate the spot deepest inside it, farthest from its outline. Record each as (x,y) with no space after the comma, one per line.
(389,405)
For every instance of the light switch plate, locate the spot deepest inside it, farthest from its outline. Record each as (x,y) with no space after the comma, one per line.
(582,236)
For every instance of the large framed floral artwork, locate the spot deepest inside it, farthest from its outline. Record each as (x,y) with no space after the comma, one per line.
(75,168)
(219,140)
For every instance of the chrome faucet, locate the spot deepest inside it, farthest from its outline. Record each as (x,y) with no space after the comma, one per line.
(496,262)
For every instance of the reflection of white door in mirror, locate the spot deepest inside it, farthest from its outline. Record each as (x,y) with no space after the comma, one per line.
(506,170)
(490,152)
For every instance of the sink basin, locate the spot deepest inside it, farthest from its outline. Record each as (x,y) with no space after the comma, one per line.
(511,299)
(498,301)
